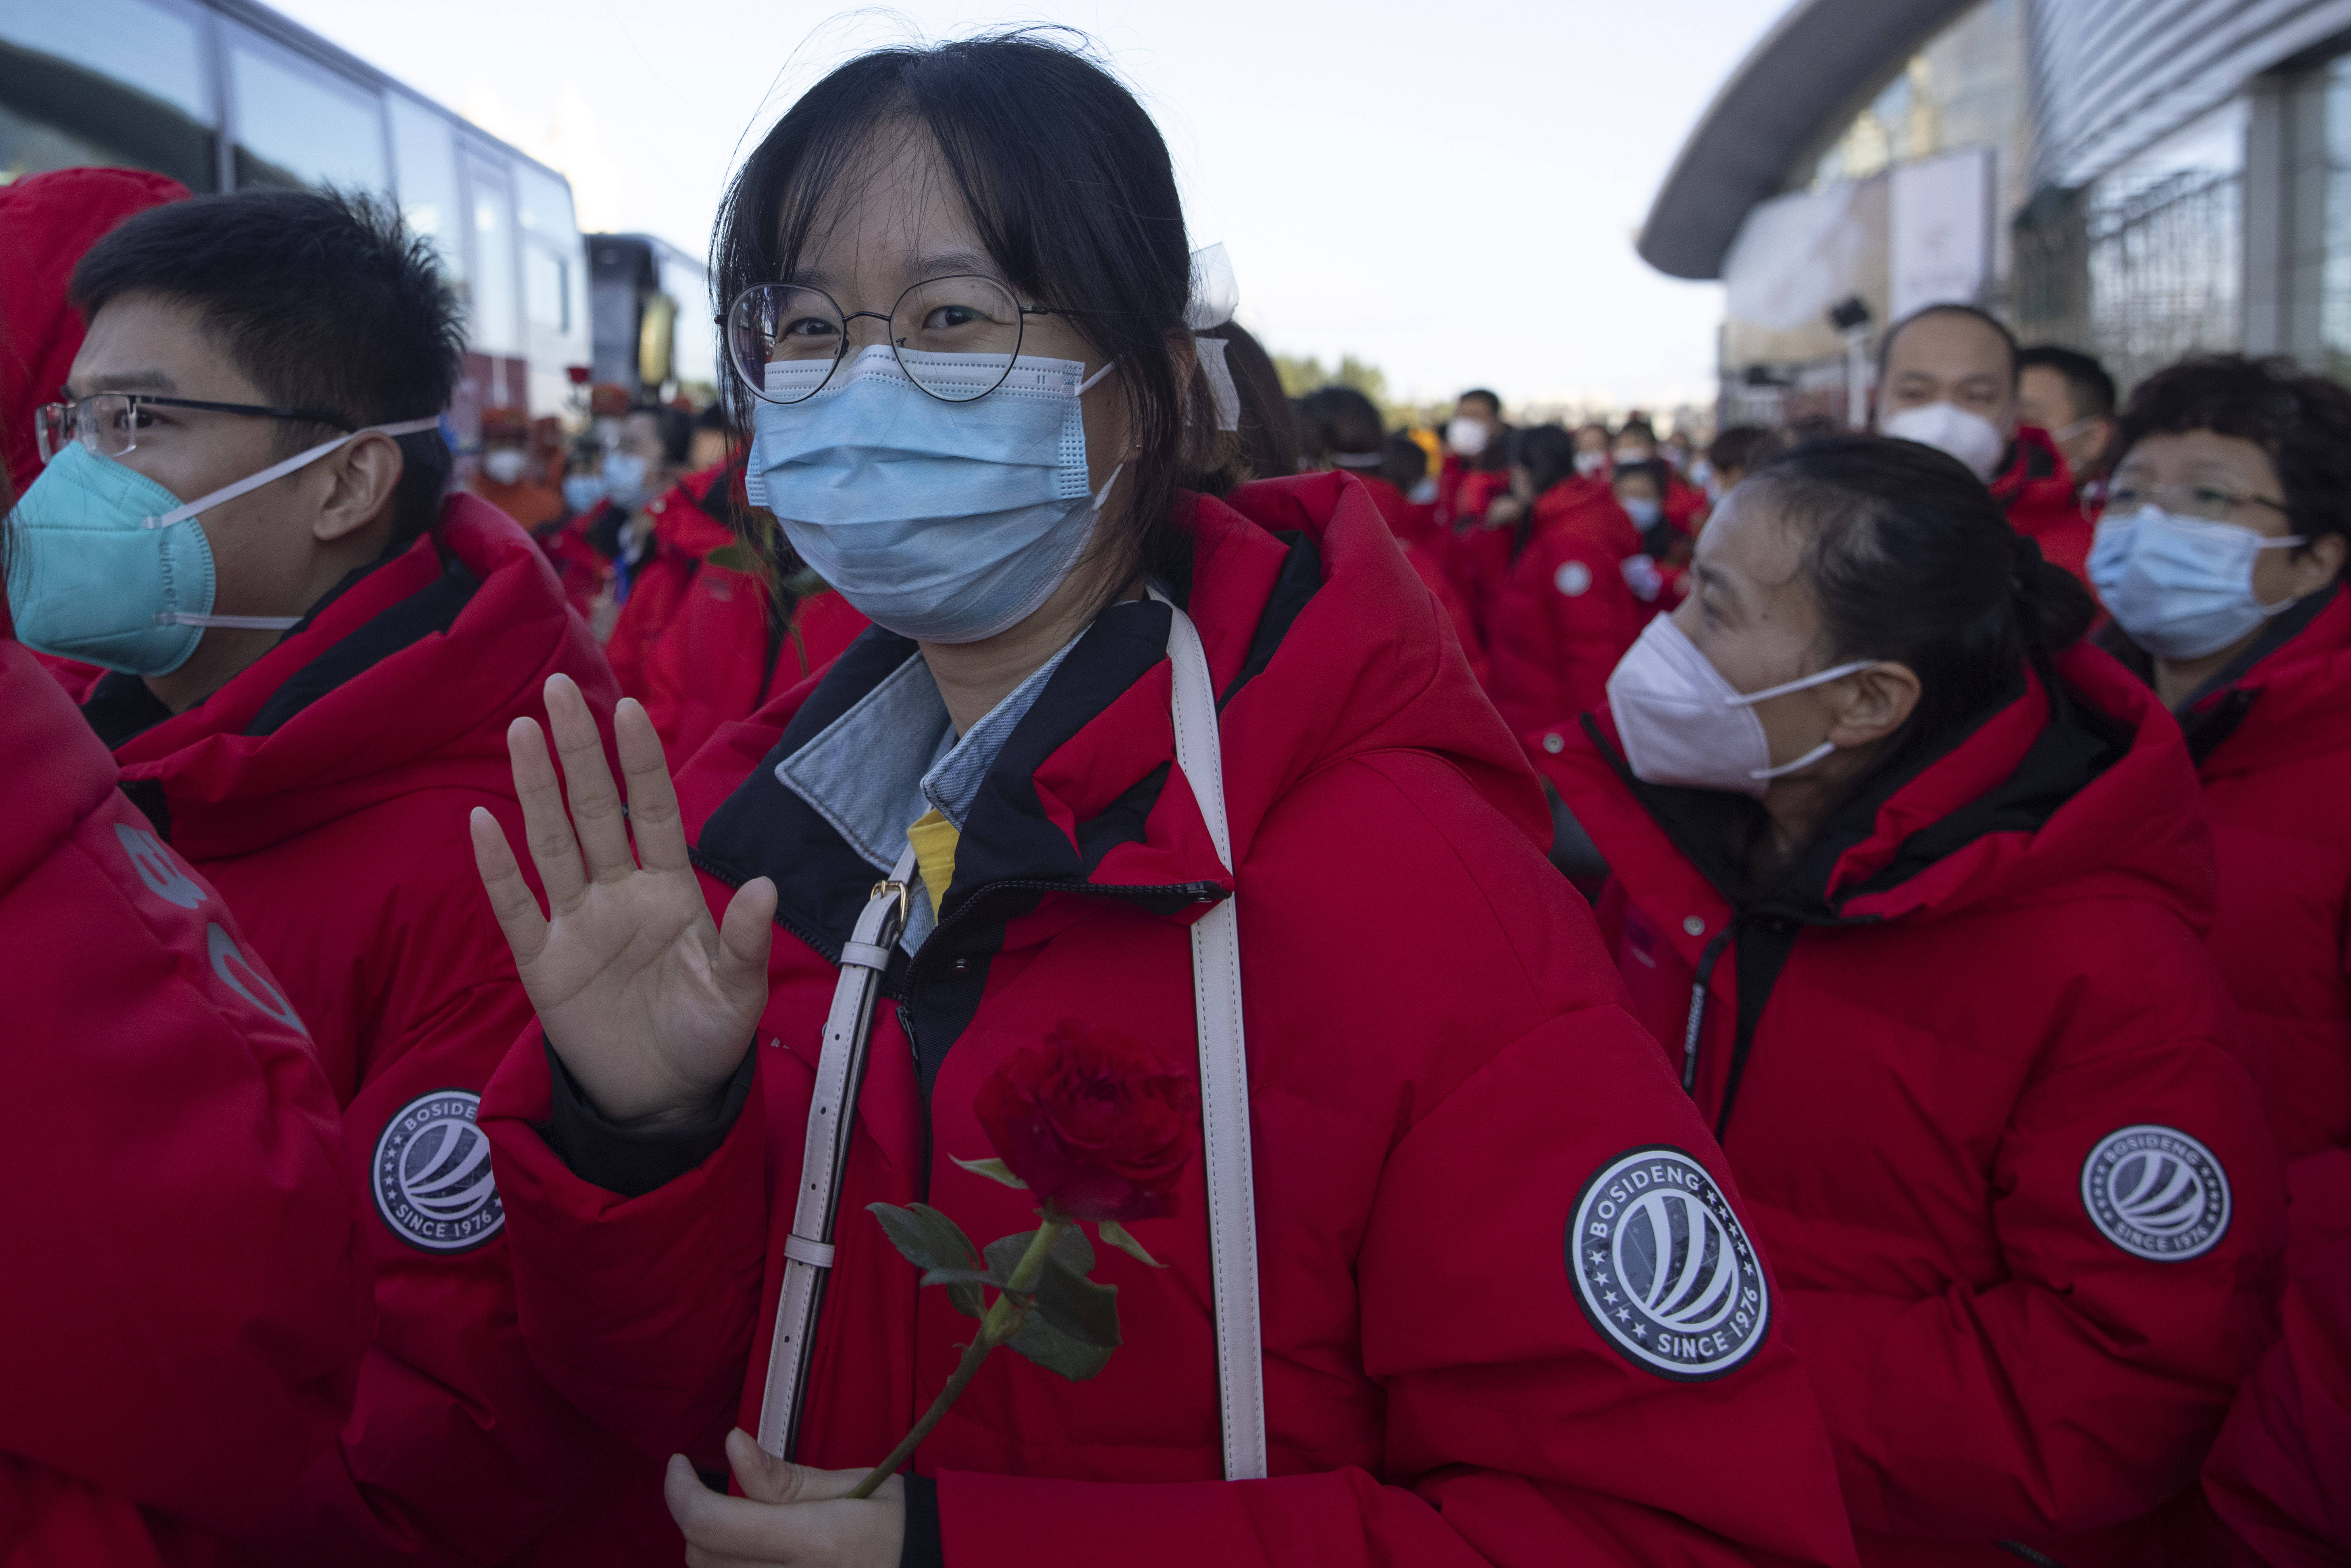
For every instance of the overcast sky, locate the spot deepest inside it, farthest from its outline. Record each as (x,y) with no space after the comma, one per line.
(1449,190)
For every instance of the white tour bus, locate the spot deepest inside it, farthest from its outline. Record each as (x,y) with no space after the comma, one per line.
(223,94)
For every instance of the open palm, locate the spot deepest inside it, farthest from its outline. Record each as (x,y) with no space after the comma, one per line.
(649,1002)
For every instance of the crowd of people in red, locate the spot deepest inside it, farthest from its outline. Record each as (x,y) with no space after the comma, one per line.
(1791,998)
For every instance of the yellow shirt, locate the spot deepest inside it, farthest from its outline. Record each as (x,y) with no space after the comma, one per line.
(934,839)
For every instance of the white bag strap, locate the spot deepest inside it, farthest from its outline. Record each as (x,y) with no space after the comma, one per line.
(808,1250)
(1224,1073)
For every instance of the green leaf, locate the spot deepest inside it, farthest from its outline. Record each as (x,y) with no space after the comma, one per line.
(968,1299)
(1054,1351)
(994,1170)
(734,557)
(1084,1311)
(1118,1236)
(925,1237)
(1071,1247)
(966,1289)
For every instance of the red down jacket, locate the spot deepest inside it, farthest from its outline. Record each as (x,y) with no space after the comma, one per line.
(187,1299)
(2279,1476)
(1435,1100)
(697,642)
(1568,608)
(325,792)
(2274,749)
(2021,1200)
(1424,548)
(2037,490)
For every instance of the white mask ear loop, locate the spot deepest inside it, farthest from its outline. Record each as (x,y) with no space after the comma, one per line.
(1087,385)
(1821,679)
(251,481)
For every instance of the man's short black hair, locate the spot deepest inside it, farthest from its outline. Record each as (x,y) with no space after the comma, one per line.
(1952,308)
(322,299)
(1490,400)
(2086,381)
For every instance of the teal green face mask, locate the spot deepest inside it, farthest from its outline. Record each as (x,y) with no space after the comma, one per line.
(108,566)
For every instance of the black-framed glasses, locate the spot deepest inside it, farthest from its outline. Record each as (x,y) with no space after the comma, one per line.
(955,337)
(108,423)
(2205,503)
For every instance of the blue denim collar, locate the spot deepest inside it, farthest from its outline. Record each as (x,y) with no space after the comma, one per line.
(894,755)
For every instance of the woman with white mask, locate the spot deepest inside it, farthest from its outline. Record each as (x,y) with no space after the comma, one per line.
(1909,884)
(1200,780)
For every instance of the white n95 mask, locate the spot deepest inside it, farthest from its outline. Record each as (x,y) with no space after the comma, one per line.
(1971,439)
(1682,724)
(943,521)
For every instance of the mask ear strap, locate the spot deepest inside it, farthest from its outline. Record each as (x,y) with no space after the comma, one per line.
(1087,385)
(1798,766)
(252,482)
(1749,699)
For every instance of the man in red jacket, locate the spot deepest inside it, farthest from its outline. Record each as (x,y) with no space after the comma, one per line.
(314,677)
(1947,376)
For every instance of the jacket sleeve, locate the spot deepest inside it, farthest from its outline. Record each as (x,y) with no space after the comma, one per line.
(589,1261)
(458,1449)
(2081,1386)
(1515,1432)
(189,1295)
(2280,1477)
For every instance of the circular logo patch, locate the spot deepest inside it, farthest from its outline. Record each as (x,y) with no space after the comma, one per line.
(2156,1193)
(1573,578)
(431,1174)
(1663,1267)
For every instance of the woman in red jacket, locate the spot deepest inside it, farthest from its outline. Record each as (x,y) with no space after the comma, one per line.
(188,1294)
(1439,1103)
(1911,886)
(2220,558)
(1576,592)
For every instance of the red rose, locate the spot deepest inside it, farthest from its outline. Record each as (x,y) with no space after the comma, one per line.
(1092,1124)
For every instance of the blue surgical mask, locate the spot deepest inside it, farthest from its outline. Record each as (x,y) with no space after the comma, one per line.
(2181,587)
(944,521)
(581,491)
(109,567)
(1645,513)
(624,479)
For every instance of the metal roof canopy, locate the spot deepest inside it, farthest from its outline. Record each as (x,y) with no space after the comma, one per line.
(1815,61)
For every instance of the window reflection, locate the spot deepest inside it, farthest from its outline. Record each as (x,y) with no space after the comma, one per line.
(296,125)
(2166,253)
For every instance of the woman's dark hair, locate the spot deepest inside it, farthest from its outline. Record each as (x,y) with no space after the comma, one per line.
(673,428)
(1741,448)
(1340,418)
(1910,558)
(2303,422)
(1067,181)
(1266,444)
(1404,462)
(1546,452)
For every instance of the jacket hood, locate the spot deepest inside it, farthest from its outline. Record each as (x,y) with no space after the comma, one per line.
(681,522)
(2036,475)
(405,679)
(2079,791)
(1323,643)
(47,222)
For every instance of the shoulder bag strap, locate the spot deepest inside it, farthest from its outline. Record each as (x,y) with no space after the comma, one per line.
(808,1250)
(1224,1074)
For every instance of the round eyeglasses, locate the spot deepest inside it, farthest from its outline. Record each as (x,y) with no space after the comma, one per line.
(955,338)
(2205,503)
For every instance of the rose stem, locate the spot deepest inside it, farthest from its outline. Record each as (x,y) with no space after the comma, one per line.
(1003,1321)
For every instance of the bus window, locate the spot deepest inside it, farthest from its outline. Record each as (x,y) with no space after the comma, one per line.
(297,125)
(117,82)
(424,169)
(546,289)
(494,328)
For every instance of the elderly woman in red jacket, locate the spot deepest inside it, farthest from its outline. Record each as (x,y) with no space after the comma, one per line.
(2220,558)
(1096,716)
(1912,888)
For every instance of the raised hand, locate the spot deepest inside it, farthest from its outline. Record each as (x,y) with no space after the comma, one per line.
(648,1002)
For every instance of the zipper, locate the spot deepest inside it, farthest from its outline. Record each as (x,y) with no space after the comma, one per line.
(1706,963)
